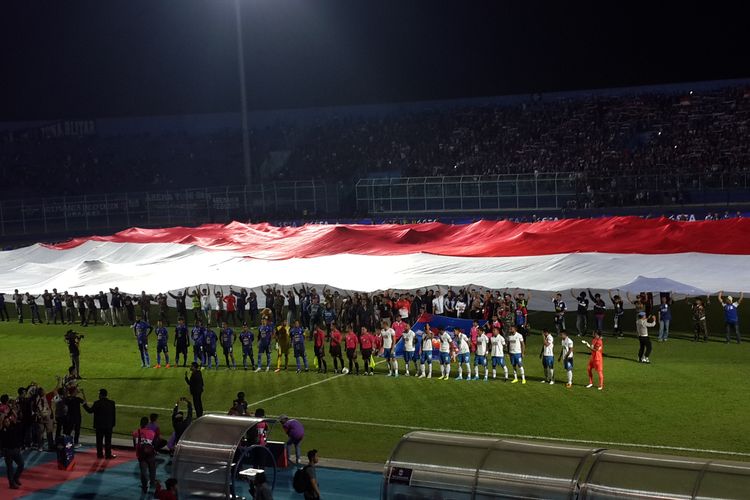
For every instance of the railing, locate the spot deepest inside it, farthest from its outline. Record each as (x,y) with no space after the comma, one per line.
(562,190)
(63,215)
(412,196)
(465,193)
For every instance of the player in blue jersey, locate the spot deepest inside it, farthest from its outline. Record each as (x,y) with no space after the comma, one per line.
(227,339)
(210,348)
(297,335)
(181,342)
(141,331)
(246,341)
(731,318)
(265,335)
(162,344)
(198,336)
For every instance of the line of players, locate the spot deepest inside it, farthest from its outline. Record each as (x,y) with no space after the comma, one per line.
(490,350)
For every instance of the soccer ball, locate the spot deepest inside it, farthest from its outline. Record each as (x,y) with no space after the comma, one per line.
(345,370)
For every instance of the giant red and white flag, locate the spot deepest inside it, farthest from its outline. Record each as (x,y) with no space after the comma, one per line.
(626,253)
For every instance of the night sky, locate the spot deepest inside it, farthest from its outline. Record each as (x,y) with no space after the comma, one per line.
(98,58)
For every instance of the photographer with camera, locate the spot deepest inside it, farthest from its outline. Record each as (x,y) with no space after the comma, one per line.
(73,339)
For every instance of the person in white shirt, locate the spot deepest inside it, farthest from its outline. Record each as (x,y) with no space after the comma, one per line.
(498,356)
(462,343)
(389,336)
(460,308)
(410,341)
(445,355)
(642,324)
(480,356)
(206,304)
(548,357)
(516,349)
(566,356)
(437,304)
(426,355)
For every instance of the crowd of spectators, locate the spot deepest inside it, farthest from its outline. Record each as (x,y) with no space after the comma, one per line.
(670,142)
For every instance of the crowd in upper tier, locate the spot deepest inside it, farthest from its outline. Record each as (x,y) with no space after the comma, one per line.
(687,140)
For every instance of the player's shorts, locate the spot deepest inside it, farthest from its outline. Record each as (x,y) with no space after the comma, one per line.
(197,348)
(336,351)
(227,349)
(247,350)
(351,353)
(480,360)
(162,347)
(548,361)
(366,353)
(498,360)
(319,351)
(568,363)
(388,353)
(426,357)
(463,357)
(299,351)
(181,346)
(142,346)
(264,348)
(211,350)
(596,365)
(410,356)
(445,358)
(516,359)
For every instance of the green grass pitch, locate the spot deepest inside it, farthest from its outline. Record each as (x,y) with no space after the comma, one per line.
(692,396)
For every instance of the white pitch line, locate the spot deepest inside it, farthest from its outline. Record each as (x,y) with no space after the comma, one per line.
(497,434)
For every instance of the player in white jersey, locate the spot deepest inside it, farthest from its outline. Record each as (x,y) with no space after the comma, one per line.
(566,356)
(445,355)
(516,349)
(498,357)
(425,360)
(480,356)
(410,346)
(462,342)
(389,336)
(548,357)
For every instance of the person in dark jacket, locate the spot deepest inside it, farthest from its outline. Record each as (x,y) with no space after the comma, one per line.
(11,440)
(179,422)
(104,421)
(195,382)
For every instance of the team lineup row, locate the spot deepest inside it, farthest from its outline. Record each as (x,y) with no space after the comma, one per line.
(488,346)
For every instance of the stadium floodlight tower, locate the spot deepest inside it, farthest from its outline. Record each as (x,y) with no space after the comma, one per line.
(213,458)
(247,167)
